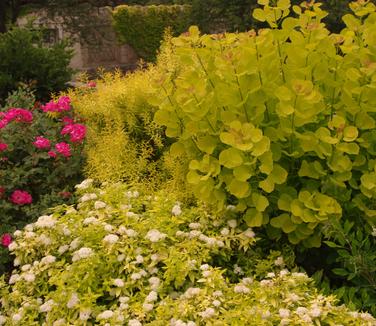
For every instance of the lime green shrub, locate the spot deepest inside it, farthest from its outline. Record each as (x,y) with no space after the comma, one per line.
(123,141)
(127,258)
(143,27)
(280,122)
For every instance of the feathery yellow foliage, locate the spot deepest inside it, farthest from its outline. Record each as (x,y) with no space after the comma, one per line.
(122,138)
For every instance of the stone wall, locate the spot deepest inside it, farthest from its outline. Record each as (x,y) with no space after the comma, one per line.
(102,51)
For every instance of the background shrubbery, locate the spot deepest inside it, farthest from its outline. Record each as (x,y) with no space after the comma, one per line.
(24,58)
(143,27)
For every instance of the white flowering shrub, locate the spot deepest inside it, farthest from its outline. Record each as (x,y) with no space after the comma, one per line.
(124,258)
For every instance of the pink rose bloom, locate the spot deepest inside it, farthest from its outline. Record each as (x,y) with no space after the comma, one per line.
(67,129)
(52,154)
(64,103)
(77,132)
(20,197)
(63,148)
(3,147)
(91,84)
(42,143)
(6,240)
(3,123)
(65,194)
(20,115)
(51,106)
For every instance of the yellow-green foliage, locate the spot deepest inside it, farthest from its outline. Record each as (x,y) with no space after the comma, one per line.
(121,135)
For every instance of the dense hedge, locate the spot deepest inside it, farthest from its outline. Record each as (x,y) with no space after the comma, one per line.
(143,27)
(24,58)
(235,15)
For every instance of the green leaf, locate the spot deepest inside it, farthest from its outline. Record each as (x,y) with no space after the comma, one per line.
(308,170)
(279,174)
(349,148)
(283,93)
(207,144)
(340,271)
(243,172)
(284,109)
(283,222)
(353,74)
(337,122)
(368,180)
(261,147)
(267,184)
(238,188)
(283,4)
(364,121)
(260,202)
(253,218)
(331,244)
(284,202)
(193,177)
(324,135)
(231,158)
(177,149)
(350,134)
(259,14)
(266,163)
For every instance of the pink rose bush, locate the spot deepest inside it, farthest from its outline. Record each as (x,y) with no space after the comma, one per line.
(40,162)
(42,143)
(77,132)
(63,149)
(20,197)
(3,147)
(6,240)
(61,105)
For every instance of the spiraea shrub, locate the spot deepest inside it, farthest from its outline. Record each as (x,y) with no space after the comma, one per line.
(124,143)
(122,257)
(279,122)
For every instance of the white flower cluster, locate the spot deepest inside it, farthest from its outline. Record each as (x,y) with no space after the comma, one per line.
(111,239)
(128,232)
(134,322)
(47,306)
(154,282)
(82,254)
(90,220)
(176,210)
(73,301)
(241,288)
(132,194)
(99,204)
(46,221)
(107,314)
(191,292)
(118,282)
(48,260)
(155,236)
(88,197)
(178,322)
(84,184)
(207,313)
